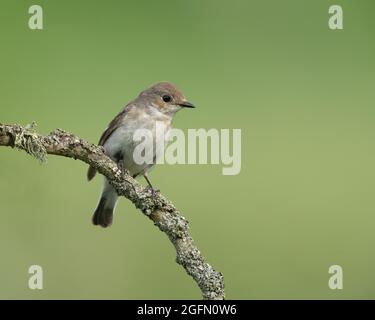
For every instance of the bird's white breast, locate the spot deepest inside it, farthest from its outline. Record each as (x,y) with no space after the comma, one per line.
(122,139)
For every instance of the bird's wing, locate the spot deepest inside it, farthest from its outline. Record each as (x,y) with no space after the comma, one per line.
(113,125)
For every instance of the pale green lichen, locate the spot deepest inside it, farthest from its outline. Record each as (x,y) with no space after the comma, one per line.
(28,140)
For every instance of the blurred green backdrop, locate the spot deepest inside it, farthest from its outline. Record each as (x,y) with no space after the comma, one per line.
(302,94)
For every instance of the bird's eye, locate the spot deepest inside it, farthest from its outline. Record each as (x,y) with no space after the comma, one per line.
(167,98)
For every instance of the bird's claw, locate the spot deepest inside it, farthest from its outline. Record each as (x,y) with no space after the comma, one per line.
(154,192)
(120,166)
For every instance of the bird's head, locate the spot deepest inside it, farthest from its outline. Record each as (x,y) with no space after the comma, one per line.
(166,98)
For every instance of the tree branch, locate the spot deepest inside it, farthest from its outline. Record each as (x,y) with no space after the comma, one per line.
(160,210)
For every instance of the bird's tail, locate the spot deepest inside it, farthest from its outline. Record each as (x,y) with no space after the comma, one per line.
(103,214)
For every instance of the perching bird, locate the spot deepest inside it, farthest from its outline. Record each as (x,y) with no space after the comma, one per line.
(156,104)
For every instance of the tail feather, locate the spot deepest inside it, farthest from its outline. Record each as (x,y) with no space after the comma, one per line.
(91,172)
(103,216)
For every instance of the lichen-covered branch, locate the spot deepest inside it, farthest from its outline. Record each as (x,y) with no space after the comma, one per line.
(160,210)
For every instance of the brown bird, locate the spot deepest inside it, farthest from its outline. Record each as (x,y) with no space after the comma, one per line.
(157,104)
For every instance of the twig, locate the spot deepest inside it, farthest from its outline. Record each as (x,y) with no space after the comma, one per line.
(160,210)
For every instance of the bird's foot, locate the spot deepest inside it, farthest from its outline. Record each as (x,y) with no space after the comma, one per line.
(154,192)
(120,166)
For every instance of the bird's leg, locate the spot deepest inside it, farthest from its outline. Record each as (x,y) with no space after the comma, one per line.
(119,160)
(150,187)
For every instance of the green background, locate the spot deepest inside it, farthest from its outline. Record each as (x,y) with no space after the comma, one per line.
(302,94)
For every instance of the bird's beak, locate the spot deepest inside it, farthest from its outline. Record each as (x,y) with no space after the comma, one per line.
(186,104)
